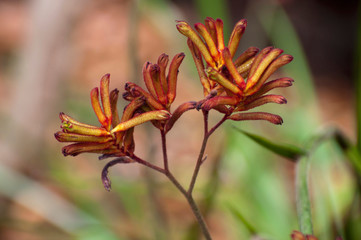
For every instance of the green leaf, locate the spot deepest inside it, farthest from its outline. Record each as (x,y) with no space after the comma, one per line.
(302,195)
(290,152)
(239,216)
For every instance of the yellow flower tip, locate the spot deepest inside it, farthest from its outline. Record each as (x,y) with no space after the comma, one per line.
(286,58)
(242,22)
(162,115)
(58,136)
(62,116)
(106,77)
(183,27)
(163,59)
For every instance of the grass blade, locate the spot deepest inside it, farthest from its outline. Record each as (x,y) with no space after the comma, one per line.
(290,152)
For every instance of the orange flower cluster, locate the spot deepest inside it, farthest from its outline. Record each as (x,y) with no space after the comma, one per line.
(230,87)
(104,139)
(234,85)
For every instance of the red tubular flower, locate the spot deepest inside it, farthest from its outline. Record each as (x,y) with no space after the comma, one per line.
(234,85)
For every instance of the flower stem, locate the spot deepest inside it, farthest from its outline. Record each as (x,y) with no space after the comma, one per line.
(187,195)
(195,209)
(147,164)
(164,148)
(201,154)
(207,134)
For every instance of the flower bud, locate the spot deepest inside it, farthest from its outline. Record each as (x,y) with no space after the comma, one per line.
(245,67)
(197,57)
(73,137)
(104,95)
(236,36)
(148,79)
(173,75)
(187,31)
(220,37)
(162,63)
(77,148)
(80,129)
(249,53)
(278,83)
(275,119)
(128,142)
(94,96)
(264,63)
(113,104)
(66,118)
(232,69)
(217,101)
(258,59)
(276,64)
(138,91)
(261,101)
(142,118)
(154,71)
(210,24)
(178,113)
(220,79)
(201,29)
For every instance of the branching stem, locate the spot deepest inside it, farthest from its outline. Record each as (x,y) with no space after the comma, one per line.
(187,193)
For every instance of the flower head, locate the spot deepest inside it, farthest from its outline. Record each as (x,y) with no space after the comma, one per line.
(161,86)
(114,136)
(161,90)
(234,85)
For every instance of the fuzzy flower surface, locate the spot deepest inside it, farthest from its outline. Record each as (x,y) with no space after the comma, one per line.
(234,86)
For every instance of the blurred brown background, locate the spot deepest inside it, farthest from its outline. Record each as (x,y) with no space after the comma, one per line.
(52,53)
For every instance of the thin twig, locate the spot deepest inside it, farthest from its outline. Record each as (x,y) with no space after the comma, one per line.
(201,153)
(164,148)
(148,164)
(207,134)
